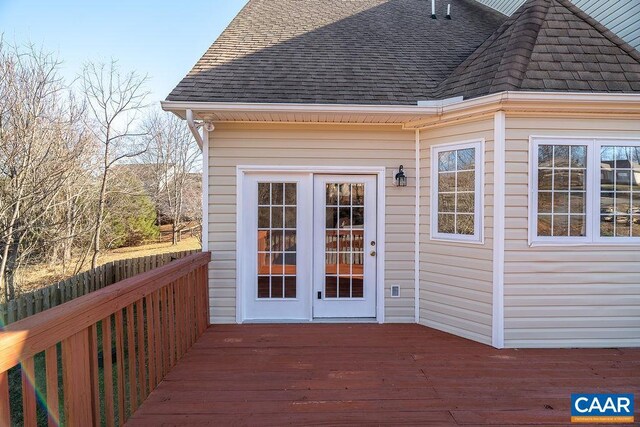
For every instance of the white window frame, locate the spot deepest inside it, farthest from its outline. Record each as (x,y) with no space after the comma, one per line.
(478,236)
(592,201)
(533,193)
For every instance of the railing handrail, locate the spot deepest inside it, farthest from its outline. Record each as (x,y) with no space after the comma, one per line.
(25,338)
(82,283)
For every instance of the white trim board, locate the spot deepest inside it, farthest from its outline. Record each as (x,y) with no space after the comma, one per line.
(499,190)
(416,272)
(380,173)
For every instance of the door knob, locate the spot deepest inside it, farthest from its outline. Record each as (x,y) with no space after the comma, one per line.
(373,253)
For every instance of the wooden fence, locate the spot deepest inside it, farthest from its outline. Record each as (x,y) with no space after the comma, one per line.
(89,281)
(95,360)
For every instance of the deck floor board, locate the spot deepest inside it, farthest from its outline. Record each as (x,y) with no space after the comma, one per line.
(367,374)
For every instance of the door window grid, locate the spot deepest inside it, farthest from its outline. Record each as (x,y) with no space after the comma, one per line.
(277,235)
(619,191)
(562,172)
(344,241)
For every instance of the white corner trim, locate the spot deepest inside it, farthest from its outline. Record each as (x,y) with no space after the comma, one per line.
(417,233)
(499,183)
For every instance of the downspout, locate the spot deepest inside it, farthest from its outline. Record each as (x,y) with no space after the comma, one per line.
(416,248)
(205,192)
(203,143)
(194,128)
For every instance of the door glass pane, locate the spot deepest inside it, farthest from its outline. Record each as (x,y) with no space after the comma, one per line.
(344,240)
(277,240)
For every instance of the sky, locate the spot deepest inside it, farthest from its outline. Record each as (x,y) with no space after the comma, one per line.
(161,38)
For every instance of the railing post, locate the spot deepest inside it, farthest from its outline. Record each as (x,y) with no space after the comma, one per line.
(77,380)
(5,411)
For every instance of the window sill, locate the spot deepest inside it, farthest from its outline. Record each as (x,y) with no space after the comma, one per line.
(589,243)
(454,240)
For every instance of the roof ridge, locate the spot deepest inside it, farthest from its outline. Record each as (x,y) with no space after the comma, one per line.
(604,31)
(527,8)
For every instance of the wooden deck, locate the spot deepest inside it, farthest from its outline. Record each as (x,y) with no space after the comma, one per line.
(332,374)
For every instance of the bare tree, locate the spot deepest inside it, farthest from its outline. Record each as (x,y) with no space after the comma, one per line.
(173,157)
(115,99)
(38,142)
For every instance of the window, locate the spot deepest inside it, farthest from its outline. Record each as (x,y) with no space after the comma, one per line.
(562,170)
(456,191)
(277,219)
(619,191)
(585,190)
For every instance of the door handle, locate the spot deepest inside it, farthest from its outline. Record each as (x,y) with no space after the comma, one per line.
(373,253)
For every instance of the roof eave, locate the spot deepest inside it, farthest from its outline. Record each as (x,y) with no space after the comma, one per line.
(410,116)
(305,113)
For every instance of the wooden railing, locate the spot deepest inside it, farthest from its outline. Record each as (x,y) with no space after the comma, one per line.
(95,359)
(83,283)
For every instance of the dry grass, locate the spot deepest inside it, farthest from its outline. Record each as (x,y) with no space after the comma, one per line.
(37,276)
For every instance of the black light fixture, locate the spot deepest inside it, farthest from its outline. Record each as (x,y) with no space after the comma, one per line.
(401,178)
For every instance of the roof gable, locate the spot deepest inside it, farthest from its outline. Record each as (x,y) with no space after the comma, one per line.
(547,45)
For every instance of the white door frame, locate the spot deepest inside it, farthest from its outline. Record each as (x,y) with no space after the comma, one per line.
(379,171)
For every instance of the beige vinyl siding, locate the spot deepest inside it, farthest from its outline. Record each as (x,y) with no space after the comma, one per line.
(565,296)
(456,279)
(311,145)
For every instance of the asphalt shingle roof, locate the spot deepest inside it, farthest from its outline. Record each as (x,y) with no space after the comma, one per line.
(392,52)
(547,45)
(337,51)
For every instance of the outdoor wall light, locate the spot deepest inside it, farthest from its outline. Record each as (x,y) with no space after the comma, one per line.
(401,178)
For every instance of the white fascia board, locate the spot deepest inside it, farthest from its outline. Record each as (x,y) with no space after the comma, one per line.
(571,97)
(179,106)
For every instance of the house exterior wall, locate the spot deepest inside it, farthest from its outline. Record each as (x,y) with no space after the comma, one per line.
(619,16)
(456,279)
(231,145)
(564,296)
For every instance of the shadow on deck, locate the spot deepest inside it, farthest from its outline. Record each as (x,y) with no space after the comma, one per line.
(376,374)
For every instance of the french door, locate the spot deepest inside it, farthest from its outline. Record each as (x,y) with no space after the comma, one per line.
(308,247)
(344,238)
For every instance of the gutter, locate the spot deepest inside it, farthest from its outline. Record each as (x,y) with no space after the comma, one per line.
(180,106)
